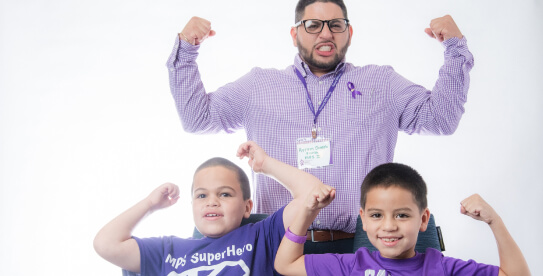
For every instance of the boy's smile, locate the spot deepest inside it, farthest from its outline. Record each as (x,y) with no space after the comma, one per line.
(217,201)
(392,221)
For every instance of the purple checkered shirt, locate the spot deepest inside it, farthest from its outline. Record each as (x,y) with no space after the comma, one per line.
(271,106)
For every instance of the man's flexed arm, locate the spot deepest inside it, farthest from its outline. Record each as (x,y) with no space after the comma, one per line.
(203,111)
(114,241)
(438,111)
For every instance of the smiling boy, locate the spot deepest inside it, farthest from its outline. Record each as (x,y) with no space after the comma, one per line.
(393,211)
(220,200)
(394,219)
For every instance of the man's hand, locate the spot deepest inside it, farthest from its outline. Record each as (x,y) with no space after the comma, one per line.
(443,28)
(196,31)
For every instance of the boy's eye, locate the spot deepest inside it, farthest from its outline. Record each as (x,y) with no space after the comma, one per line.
(375,215)
(402,216)
(225,195)
(201,196)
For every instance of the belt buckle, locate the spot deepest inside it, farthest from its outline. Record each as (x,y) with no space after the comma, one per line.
(313,236)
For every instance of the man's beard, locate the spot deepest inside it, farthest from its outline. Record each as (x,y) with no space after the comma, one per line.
(309,59)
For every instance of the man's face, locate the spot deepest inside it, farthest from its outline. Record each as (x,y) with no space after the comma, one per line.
(217,201)
(392,220)
(323,51)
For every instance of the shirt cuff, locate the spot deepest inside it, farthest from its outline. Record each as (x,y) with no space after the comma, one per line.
(458,47)
(182,53)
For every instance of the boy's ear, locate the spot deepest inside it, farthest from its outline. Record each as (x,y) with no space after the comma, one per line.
(248,208)
(425,219)
(361,211)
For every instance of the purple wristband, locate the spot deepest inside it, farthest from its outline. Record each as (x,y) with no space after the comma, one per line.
(295,238)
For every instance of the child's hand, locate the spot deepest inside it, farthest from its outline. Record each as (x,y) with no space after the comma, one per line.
(164,196)
(475,207)
(320,197)
(255,153)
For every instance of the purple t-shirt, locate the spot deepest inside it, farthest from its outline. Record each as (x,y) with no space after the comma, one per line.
(363,262)
(248,250)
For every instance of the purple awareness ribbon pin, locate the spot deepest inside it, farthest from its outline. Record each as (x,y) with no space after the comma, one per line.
(350,85)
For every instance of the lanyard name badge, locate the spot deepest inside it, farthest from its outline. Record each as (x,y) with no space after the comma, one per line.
(315,151)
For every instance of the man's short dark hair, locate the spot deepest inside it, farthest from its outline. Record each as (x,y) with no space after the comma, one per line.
(300,8)
(227,164)
(399,175)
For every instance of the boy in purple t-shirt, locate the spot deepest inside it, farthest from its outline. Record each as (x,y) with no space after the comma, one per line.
(220,199)
(393,211)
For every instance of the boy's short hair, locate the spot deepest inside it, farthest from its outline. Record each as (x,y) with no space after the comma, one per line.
(395,174)
(302,4)
(225,163)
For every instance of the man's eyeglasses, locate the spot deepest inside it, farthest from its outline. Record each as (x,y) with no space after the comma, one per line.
(314,26)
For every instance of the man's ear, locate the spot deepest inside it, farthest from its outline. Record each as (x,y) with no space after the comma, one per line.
(294,34)
(425,219)
(350,34)
(248,208)
(361,211)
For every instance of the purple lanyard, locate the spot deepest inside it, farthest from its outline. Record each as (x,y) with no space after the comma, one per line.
(328,94)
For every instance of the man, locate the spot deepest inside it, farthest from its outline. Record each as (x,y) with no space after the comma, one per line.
(322,114)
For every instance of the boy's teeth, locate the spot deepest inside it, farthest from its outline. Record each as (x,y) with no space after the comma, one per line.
(389,240)
(325,48)
(211,215)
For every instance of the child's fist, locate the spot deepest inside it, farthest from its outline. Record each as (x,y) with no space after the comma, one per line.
(164,196)
(475,207)
(255,153)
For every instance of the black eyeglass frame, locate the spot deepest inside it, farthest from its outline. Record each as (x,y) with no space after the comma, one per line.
(327,22)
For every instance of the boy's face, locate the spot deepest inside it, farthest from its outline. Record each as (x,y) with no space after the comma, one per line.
(217,201)
(392,220)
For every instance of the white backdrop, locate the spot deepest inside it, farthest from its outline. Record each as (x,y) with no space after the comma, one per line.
(88,127)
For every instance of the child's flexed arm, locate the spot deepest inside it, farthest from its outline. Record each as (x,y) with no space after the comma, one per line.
(290,259)
(114,241)
(512,261)
(309,196)
(298,182)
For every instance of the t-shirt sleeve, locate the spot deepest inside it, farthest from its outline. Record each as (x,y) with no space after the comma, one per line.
(274,230)
(454,266)
(151,254)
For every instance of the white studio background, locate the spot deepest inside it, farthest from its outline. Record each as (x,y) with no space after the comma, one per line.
(88,126)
